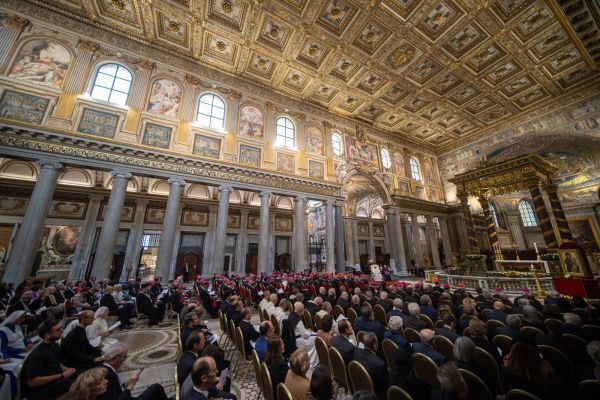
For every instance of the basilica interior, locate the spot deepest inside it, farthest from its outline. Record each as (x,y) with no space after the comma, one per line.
(143,137)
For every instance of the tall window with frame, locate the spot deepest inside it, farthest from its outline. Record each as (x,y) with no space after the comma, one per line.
(112,84)
(415,171)
(527,214)
(494,215)
(386,161)
(211,111)
(336,144)
(286,132)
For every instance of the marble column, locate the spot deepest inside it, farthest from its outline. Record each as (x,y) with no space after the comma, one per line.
(29,235)
(134,242)
(391,233)
(446,241)
(263,241)
(355,242)
(433,242)
(371,243)
(329,236)
(490,224)
(471,233)
(10,30)
(110,226)
(299,238)
(542,216)
(169,230)
(349,241)
(399,244)
(176,244)
(340,257)
(416,234)
(559,214)
(514,226)
(220,237)
(86,239)
(242,243)
(209,241)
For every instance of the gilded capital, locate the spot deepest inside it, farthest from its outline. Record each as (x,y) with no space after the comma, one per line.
(16,23)
(146,65)
(192,80)
(87,46)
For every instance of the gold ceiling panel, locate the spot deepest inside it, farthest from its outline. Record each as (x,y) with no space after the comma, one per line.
(429,70)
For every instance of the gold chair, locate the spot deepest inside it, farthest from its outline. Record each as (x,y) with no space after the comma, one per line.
(478,390)
(560,362)
(337,311)
(426,370)
(427,320)
(308,324)
(588,389)
(359,336)
(412,335)
(243,357)
(267,382)
(439,324)
(365,304)
(397,393)
(531,330)
(389,348)
(518,394)
(257,372)
(360,378)
(574,340)
(486,360)
(275,324)
(338,368)
(591,330)
(317,322)
(503,342)
(322,352)
(380,314)
(351,314)
(443,345)
(283,393)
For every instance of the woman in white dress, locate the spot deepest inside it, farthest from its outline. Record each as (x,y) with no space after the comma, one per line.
(98,333)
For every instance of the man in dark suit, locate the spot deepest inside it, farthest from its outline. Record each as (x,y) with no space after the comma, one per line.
(204,378)
(374,365)
(497,313)
(366,322)
(119,310)
(343,301)
(342,343)
(155,311)
(513,328)
(398,310)
(313,306)
(24,303)
(75,348)
(426,348)
(384,302)
(248,330)
(115,356)
(449,329)
(427,308)
(193,347)
(412,320)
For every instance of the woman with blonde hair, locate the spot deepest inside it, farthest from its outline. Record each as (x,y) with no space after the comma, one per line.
(90,385)
(296,380)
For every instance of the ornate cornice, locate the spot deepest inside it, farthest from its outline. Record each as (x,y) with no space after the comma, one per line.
(35,143)
(409,204)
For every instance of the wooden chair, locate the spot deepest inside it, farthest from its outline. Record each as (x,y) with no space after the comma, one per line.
(338,369)
(518,394)
(380,314)
(412,335)
(478,390)
(322,352)
(283,393)
(443,345)
(503,342)
(426,370)
(560,362)
(574,340)
(359,336)
(531,330)
(360,378)
(266,381)
(257,372)
(337,311)
(275,324)
(427,320)
(588,389)
(351,314)
(397,393)
(389,348)
(308,323)
(486,360)
(317,322)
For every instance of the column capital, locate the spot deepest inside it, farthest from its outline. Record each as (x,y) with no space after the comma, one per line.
(265,194)
(550,187)
(298,199)
(95,197)
(16,23)
(177,181)
(121,174)
(142,202)
(224,188)
(330,202)
(87,46)
(49,164)
(429,217)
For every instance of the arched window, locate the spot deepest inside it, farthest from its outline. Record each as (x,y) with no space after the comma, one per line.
(112,84)
(527,214)
(336,144)
(494,215)
(211,111)
(415,171)
(385,158)
(286,133)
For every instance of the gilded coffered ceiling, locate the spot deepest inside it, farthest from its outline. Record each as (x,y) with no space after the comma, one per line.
(433,70)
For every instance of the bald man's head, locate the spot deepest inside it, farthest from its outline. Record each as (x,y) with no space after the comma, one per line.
(299,308)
